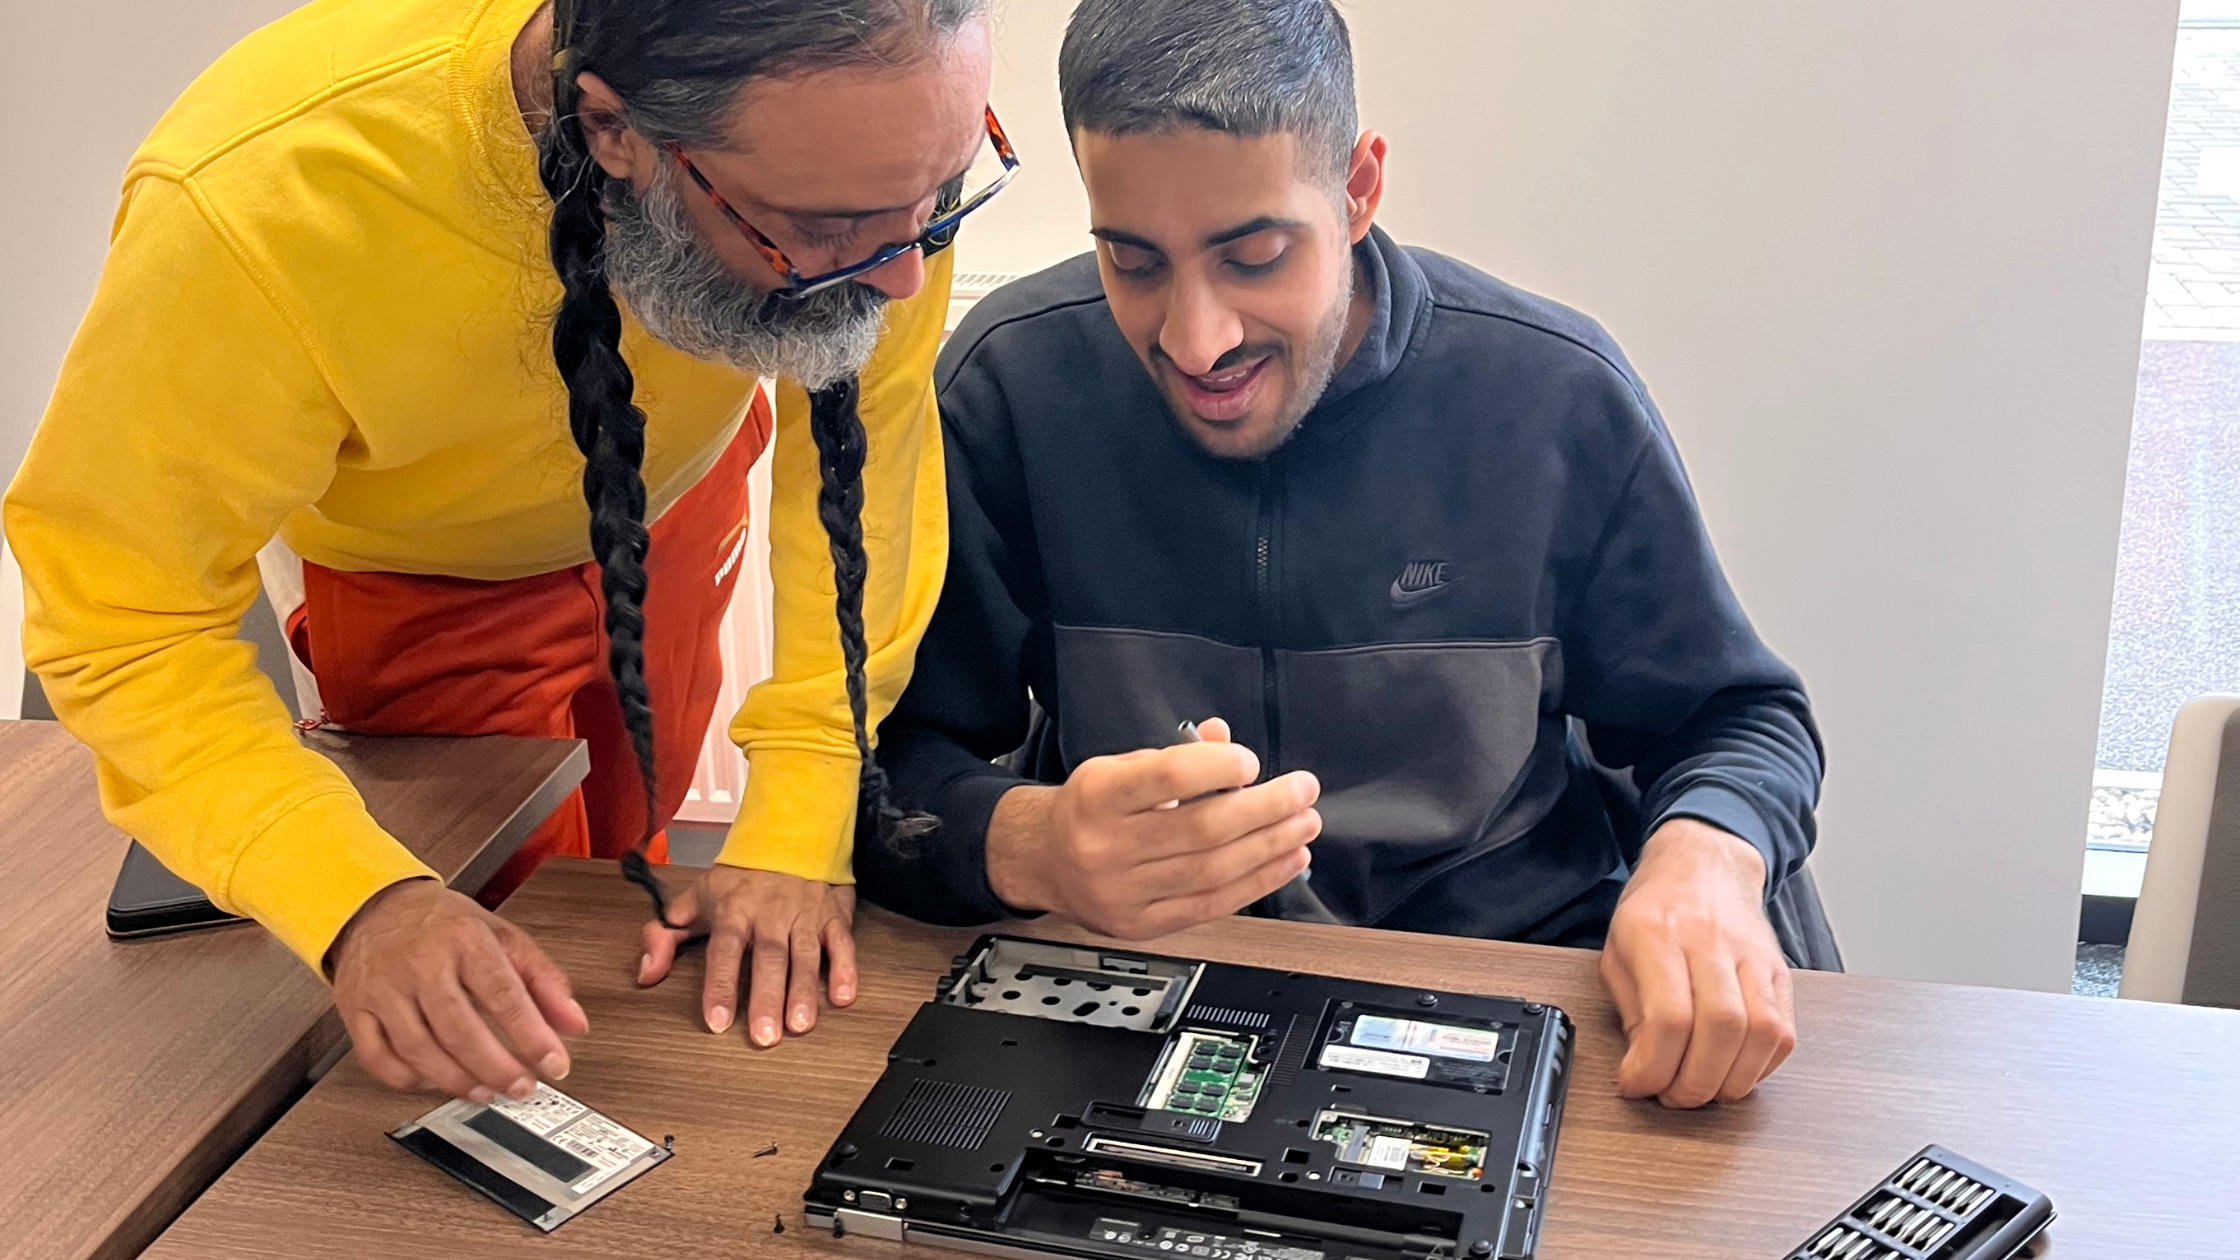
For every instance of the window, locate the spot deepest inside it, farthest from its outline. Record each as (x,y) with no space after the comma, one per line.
(2175,629)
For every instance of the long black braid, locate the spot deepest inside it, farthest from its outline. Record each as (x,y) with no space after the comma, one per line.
(608,426)
(837,429)
(679,65)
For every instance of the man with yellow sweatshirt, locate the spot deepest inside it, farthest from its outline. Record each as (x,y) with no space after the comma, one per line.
(466,301)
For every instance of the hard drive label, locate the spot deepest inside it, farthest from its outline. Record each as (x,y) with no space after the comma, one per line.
(1447,1041)
(1382,1062)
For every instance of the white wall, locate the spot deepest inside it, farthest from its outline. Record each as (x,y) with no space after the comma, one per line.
(91,78)
(1883,266)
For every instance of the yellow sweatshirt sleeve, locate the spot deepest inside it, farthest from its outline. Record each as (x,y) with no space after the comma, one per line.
(798,812)
(188,421)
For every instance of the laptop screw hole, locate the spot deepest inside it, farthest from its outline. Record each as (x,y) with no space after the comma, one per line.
(1287,1177)
(995,1168)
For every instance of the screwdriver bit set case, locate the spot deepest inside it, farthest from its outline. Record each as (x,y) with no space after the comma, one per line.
(1937,1206)
(1069,1100)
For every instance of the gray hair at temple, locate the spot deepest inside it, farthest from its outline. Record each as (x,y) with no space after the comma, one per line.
(1245,67)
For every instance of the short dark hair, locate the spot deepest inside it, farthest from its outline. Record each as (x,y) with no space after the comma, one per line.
(1245,67)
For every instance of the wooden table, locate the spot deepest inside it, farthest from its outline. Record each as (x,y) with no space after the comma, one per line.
(2127,1114)
(132,1073)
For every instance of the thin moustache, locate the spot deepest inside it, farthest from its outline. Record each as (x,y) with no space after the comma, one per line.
(1242,354)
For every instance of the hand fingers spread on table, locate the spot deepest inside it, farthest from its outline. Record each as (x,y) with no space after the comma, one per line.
(548,985)
(463,1034)
(1722,1022)
(766,981)
(727,952)
(1663,1018)
(840,956)
(374,1052)
(498,987)
(661,941)
(801,980)
(411,1038)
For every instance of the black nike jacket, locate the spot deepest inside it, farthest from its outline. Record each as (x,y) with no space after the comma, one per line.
(1473,585)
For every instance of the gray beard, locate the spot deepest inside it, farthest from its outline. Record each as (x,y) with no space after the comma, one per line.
(684,295)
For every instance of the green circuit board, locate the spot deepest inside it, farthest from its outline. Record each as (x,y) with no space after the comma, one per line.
(1402,1146)
(1206,1074)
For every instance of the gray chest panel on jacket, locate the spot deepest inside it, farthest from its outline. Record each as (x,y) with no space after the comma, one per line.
(1430,754)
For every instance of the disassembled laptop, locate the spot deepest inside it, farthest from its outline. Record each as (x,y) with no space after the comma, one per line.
(1063,1100)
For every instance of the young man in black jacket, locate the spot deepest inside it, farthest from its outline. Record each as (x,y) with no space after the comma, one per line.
(1406,542)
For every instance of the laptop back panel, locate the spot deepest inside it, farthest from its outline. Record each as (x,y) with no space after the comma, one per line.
(1065,1100)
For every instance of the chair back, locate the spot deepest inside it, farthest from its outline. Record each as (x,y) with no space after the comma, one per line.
(2185,933)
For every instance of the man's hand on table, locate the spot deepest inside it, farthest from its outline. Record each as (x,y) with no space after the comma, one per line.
(779,928)
(439,993)
(1695,972)
(1137,845)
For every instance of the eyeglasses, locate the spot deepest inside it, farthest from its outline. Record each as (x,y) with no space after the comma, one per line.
(948,211)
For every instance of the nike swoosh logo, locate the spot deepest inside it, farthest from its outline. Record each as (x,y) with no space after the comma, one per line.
(1403,597)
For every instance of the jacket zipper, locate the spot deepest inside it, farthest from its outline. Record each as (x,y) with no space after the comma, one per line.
(1264,597)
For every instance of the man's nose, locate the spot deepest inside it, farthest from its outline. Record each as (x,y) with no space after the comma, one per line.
(1199,329)
(902,277)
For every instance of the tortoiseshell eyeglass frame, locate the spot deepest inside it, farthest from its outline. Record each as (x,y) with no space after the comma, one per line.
(948,213)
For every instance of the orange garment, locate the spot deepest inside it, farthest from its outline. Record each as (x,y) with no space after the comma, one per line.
(408,654)
(326,315)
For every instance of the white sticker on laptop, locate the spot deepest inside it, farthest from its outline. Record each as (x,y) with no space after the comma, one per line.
(1381,1062)
(1446,1041)
(1387,1152)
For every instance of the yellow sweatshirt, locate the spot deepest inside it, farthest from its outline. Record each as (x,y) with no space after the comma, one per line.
(325,314)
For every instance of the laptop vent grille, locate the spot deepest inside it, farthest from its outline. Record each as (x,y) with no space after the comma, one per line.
(1227,1018)
(944,1113)
(1291,1055)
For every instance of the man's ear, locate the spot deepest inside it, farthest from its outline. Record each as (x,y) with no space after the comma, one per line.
(614,145)
(1364,185)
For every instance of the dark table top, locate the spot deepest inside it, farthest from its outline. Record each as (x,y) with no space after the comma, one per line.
(2127,1114)
(132,1073)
